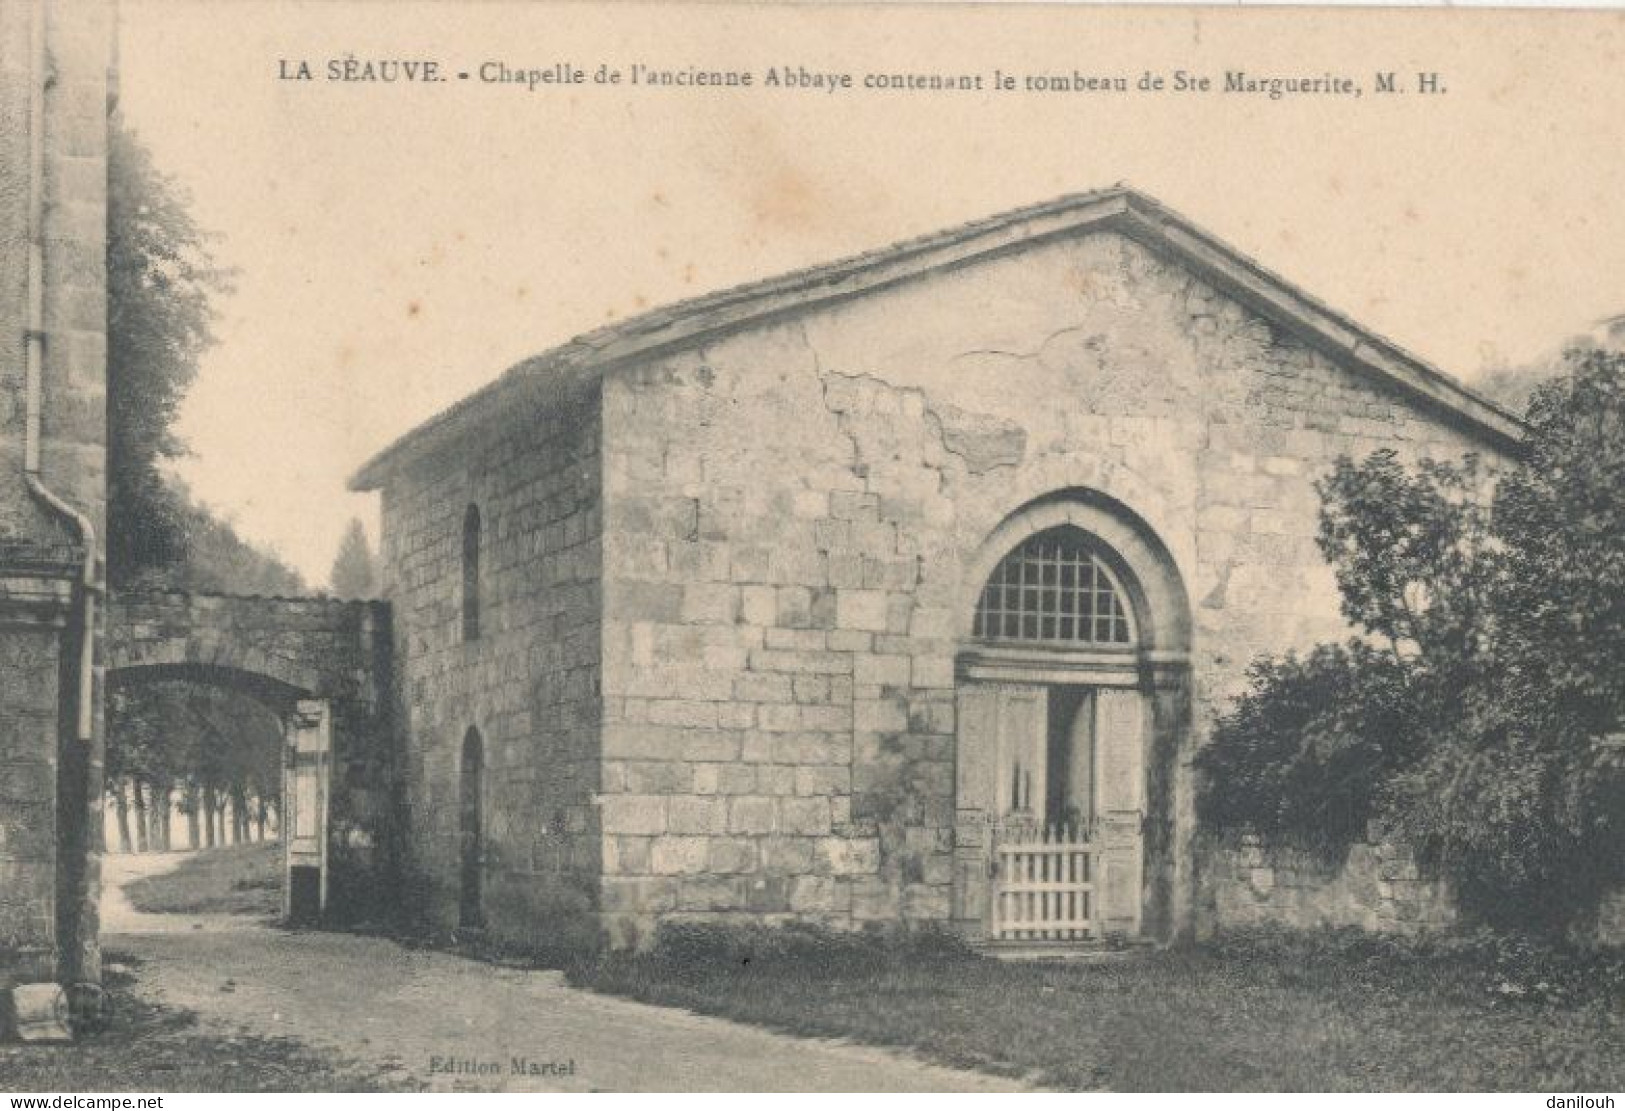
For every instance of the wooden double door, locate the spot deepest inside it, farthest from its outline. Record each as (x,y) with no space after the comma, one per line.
(1050,807)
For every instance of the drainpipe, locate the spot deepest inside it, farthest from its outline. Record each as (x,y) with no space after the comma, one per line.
(35,355)
(74,887)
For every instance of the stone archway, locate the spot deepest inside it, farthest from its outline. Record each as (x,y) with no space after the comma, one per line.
(1100,723)
(324,666)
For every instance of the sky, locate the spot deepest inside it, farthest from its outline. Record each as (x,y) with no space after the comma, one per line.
(398,245)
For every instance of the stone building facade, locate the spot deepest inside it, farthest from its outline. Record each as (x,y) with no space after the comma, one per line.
(818,598)
(55,90)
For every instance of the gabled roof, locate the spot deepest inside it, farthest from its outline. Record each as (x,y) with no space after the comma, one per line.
(1119,209)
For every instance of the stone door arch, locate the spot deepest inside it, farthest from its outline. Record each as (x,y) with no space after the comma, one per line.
(1074,708)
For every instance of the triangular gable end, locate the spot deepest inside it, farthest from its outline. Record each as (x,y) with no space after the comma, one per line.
(1121,210)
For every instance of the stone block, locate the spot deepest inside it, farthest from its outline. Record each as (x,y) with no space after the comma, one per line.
(807,815)
(927,902)
(651,742)
(775,779)
(932,672)
(699,561)
(763,687)
(789,855)
(848,506)
(879,716)
(39,1013)
(933,623)
(823,780)
(796,640)
(736,715)
(875,899)
(671,856)
(931,716)
(845,570)
(861,609)
(710,603)
(809,504)
(882,671)
(832,535)
(632,814)
(848,856)
(758,605)
(810,748)
(767,894)
(813,895)
(737,779)
(692,814)
(627,856)
(676,711)
(751,563)
(776,718)
(811,688)
(828,719)
(850,640)
(707,778)
(798,663)
(711,893)
(661,777)
(794,607)
(731,854)
(823,609)
(634,600)
(753,814)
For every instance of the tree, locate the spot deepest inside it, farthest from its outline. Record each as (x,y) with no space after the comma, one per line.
(1479,719)
(355,572)
(1562,515)
(160,282)
(218,561)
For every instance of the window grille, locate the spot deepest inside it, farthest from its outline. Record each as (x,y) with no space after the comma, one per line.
(1053,589)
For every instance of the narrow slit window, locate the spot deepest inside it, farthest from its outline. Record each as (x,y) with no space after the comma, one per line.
(471,573)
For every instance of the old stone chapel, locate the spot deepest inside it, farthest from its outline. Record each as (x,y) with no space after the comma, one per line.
(901,589)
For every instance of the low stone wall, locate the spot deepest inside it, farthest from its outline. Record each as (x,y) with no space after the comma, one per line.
(1378,887)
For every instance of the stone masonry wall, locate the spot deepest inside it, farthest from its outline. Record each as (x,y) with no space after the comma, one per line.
(28,715)
(48,871)
(1378,887)
(789,512)
(529,684)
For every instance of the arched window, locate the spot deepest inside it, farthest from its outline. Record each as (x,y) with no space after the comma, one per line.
(1053,589)
(471,573)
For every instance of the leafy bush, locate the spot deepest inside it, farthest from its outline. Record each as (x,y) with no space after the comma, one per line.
(1303,754)
(1480,720)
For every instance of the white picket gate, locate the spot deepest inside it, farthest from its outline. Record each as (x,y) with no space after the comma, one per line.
(1044,884)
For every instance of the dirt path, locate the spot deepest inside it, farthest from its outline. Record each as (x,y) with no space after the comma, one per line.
(439,1018)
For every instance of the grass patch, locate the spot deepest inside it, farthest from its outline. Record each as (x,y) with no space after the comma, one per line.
(238,879)
(1271,1011)
(145,1047)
